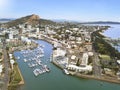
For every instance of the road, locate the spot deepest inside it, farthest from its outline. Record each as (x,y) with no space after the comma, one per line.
(6,65)
(96,61)
(96,66)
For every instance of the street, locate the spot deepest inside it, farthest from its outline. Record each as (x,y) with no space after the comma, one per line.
(6,66)
(96,66)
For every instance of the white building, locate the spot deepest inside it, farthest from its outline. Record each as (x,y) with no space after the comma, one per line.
(80,69)
(118,61)
(0,40)
(79,40)
(10,55)
(75,29)
(12,62)
(56,44)
(10,36)
(59,52)
(84,59)
(37,30)
(1,69)
(29,27)
(25,39)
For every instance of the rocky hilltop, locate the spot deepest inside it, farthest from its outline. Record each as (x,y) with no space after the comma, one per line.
(30,19)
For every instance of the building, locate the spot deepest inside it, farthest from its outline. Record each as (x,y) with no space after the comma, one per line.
(59,52)
(85,59)
(1,69)
(26,40)
(87,68)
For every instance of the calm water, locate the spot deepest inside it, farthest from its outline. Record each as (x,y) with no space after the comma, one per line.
(56,79)
(114,31)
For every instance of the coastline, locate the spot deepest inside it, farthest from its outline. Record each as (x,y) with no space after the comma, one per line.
(110,80)
(22,82)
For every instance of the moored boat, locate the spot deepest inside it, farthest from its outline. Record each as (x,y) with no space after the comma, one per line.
(66,71)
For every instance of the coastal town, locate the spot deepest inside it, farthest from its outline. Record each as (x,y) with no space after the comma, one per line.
(79,50)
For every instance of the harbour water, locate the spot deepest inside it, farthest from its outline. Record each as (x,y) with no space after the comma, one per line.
(56,79)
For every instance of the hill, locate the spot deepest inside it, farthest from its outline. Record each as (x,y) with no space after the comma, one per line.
(31,19)
(47,22)
(101,22)
(4,20)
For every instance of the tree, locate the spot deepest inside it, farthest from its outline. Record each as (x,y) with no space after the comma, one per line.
(78,62)
(7,48)
(6,35)
(0,55)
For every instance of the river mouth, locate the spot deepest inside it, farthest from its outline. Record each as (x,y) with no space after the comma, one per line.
(56,79)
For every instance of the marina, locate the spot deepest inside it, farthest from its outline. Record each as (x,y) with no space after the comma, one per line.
(33,60)
(37,78)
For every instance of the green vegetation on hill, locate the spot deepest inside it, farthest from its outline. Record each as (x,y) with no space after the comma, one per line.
(23,20)
(46,22)
(31,19)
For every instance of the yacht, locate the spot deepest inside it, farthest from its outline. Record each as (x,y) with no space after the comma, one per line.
(66,71)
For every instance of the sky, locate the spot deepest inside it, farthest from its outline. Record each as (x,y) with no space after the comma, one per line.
(77,10)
